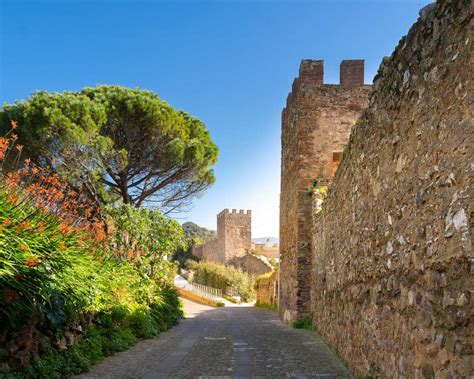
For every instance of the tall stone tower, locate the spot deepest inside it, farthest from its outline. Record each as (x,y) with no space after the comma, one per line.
(234,234)
(316,124)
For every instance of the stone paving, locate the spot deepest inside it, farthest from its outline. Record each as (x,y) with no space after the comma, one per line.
(229,342)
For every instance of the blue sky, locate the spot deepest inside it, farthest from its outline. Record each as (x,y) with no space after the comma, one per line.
(229,63)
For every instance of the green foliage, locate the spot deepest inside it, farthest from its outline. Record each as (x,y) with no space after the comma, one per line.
(193,235)
(144,237)
(119,328)
(198,234)
(117,143)
(184,254)
(304,322)
(40,265)
(223,277)
(273,307)
(60,274)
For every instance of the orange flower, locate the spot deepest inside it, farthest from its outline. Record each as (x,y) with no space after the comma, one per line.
(9,295)
(40,227)
(14,137)
(14,124)
(23,247)
(62,246)
(25,224)
(12,198)
(64,228)
(13,180)
(6,222)
(32,261)
(19,148)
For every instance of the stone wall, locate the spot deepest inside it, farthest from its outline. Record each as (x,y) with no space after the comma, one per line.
(267,251)
(316,124)
(393,267)
(252,264)
(266,288)
(234,234)
(208,251)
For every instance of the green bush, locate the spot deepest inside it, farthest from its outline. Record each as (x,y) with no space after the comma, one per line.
(223,277)
(58,273)
(304,322)
(112,332)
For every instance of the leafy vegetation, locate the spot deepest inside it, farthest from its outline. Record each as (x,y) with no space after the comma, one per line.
(304,322)
(223,277)
(71,272)
(193,235)
(114,331)
(114,143)
(144,237)
(197,234)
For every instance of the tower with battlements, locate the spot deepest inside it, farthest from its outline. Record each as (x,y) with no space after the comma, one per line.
(316,124)
(234,237)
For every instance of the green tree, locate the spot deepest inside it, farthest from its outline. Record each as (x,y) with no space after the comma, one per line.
(193,231)
(117,143)
(144,237)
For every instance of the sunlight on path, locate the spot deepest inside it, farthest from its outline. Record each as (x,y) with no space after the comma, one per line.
(229,342)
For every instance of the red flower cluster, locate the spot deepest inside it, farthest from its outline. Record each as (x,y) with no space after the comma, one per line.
(48,192)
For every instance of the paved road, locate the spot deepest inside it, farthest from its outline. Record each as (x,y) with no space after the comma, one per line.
(230,342)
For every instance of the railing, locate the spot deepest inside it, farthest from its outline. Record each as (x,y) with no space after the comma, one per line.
(230,291)
(202,290)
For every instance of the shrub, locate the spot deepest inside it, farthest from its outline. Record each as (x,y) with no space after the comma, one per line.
(224,277)
(58,275)
(304,322)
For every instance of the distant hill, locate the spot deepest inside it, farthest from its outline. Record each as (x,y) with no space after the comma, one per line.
(269,241)
(193,231)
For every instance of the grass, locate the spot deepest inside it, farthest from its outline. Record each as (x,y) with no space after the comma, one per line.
(199,299)
(304,322)
(273,307)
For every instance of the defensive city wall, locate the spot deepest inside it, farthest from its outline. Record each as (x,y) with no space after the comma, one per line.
(316,124)
(381,255)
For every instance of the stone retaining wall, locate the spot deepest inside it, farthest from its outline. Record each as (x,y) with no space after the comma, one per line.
(266,288)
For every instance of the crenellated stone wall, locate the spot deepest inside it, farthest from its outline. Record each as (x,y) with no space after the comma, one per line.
(392,275)
(234,237)
(316,124)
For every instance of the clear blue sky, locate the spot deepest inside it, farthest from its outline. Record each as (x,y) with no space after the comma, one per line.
(230,63)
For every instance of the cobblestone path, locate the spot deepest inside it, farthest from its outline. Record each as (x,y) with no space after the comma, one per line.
(230,342)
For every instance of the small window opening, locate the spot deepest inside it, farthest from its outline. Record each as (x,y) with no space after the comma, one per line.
(336,159)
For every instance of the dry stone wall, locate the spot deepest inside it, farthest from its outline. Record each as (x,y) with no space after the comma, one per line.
(316,124)
(392,252)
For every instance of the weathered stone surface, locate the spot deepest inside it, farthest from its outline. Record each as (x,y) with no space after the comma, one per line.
(316,124)
(392,268)
(234,237)
(266,288)
(252,264)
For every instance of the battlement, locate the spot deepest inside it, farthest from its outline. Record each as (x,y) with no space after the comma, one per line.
(234,212)
(312,71)
(351,72)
